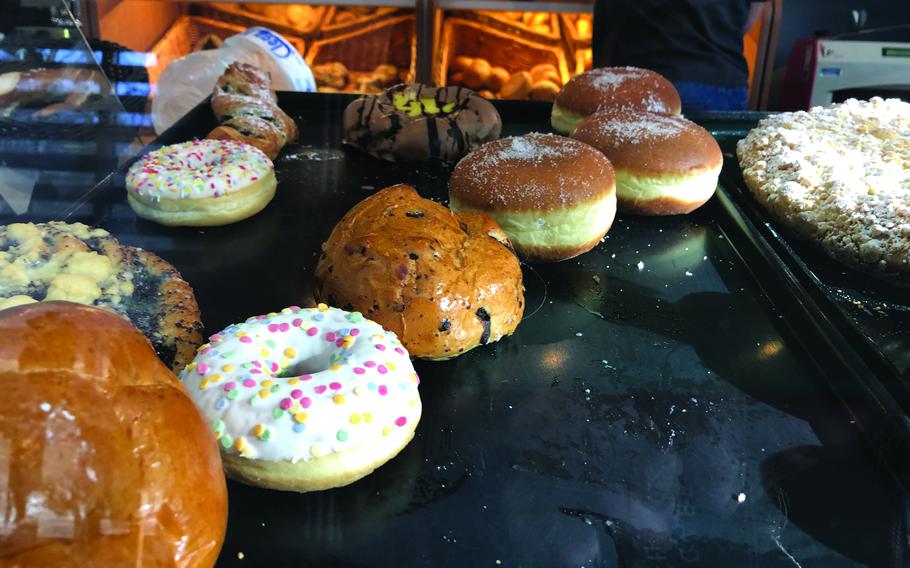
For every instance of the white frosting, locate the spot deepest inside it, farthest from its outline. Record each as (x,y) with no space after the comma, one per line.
(303,384)
(197,170)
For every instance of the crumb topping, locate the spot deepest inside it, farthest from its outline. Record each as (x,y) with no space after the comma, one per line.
(841,175)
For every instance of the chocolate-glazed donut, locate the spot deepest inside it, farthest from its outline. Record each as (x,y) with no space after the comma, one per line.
(414,123)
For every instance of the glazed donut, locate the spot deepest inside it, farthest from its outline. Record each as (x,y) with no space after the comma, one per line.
(201,183)
(444,282)
(604,88)
(553,196)
(412,123)
(305,399)
(665,165)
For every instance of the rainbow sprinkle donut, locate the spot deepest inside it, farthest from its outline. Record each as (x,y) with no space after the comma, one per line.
(201,183)
(305,399)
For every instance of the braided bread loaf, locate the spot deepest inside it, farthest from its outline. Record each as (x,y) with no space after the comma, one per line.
(245,104)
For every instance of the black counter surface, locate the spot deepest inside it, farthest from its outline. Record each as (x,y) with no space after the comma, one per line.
(663,402)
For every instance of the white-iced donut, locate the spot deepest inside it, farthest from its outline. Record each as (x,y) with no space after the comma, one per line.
(201,183)
(305,399)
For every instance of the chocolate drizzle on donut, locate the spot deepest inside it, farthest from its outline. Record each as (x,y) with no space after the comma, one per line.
(412,122)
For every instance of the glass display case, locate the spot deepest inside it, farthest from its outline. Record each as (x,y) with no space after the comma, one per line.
(694,390)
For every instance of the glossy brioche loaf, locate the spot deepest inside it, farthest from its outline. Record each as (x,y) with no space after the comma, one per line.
(109,462)
(444,282)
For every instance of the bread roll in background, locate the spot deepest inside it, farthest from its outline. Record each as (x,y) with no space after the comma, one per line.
(109,462)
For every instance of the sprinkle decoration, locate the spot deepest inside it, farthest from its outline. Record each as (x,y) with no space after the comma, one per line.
(197,169)
(303,383)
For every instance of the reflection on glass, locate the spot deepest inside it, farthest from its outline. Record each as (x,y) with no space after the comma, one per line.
(69,112)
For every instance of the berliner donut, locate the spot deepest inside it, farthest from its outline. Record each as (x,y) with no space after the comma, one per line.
(412,123)
(305,399)
(604,88)
(106,460)
(665,165)
(444,282)
(553,196)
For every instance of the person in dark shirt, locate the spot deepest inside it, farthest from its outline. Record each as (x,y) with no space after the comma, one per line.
(696,44)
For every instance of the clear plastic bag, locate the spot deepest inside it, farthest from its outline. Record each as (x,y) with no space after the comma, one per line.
(188,80)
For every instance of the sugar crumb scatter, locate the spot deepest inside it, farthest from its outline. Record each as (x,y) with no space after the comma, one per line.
(839,175)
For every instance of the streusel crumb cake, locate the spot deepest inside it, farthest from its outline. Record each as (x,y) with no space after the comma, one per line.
(839,175)
(77,263)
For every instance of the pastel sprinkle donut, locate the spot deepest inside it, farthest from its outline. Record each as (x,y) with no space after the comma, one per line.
(305,399)
(201,183)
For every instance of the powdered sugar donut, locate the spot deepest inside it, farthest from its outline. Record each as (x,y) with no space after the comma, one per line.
(305,399)
(612,88)
(201,183)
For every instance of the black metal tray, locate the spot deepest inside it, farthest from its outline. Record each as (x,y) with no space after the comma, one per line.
(872,313)
(666,400)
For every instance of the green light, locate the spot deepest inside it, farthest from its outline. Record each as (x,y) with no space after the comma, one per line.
(896,51)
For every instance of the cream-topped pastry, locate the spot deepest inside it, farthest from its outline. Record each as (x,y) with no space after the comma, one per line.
(306,399)
(201,183)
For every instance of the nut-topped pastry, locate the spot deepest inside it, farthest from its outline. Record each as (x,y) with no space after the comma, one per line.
(415,123)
